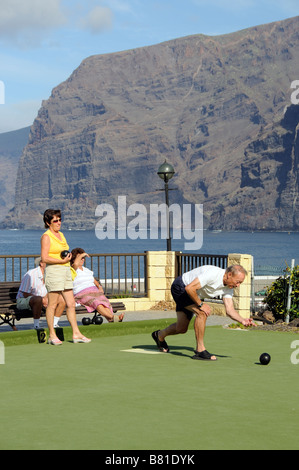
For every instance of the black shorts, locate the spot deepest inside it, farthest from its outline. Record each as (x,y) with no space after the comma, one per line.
(181,298)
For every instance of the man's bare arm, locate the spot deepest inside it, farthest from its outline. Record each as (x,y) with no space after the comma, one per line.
(233,314)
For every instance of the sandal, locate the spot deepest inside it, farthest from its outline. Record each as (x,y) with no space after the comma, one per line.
(203,356)
(162,345)
(83,339)
(55,341)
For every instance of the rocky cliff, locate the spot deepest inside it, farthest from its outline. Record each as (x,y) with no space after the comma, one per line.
(218,108)
(11,147)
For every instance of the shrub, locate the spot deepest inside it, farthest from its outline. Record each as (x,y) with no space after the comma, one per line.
(277,294)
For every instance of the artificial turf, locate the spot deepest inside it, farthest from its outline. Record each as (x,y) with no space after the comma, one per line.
(103,395)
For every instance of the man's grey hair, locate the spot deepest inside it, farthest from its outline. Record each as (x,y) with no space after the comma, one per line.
(236,269)
(37,261)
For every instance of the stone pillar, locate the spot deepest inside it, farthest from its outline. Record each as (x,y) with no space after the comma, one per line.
(243,293)
(160,275)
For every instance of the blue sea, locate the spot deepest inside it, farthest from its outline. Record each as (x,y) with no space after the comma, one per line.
(272,251)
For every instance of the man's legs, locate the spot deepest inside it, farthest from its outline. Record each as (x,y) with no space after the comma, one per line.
(179,327)
(199,328)
(36,304)
(33,303)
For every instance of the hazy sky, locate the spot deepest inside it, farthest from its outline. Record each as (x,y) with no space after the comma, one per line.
(43,41)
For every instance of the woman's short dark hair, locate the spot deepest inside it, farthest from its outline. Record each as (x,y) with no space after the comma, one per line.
(49,214)
(75,252)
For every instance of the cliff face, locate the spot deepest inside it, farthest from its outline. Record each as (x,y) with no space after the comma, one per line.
(217,108)
(11,147)
(268,194)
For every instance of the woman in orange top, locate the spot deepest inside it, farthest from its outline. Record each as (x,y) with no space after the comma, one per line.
(58,279)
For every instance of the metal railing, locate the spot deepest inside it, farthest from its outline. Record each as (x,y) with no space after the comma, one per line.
(119,273)
(13,267)
(188,261)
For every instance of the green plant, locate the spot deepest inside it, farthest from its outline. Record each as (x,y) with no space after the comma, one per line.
(277,294)
(123,295)
(238,326)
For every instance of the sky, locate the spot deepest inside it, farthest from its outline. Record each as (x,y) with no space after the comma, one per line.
(43,41)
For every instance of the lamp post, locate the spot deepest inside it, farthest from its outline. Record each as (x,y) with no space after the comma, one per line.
(166,172)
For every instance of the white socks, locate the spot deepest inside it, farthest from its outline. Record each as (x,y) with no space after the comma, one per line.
(36,322)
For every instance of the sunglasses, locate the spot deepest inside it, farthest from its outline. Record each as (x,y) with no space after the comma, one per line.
(55,221)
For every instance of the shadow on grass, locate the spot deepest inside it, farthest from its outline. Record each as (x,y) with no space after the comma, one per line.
(174,350)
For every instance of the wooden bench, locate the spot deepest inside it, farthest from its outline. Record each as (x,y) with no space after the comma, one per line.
(9,312)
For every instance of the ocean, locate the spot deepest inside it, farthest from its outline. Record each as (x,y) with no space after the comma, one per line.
(272,251)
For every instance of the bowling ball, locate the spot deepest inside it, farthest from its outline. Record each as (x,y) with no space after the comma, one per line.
(265,358)
(98,320)
(64,254)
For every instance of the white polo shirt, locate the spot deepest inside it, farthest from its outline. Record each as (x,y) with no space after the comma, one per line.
(33,283)
(211,281)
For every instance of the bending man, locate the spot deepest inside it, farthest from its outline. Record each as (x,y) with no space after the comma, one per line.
(188,292)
